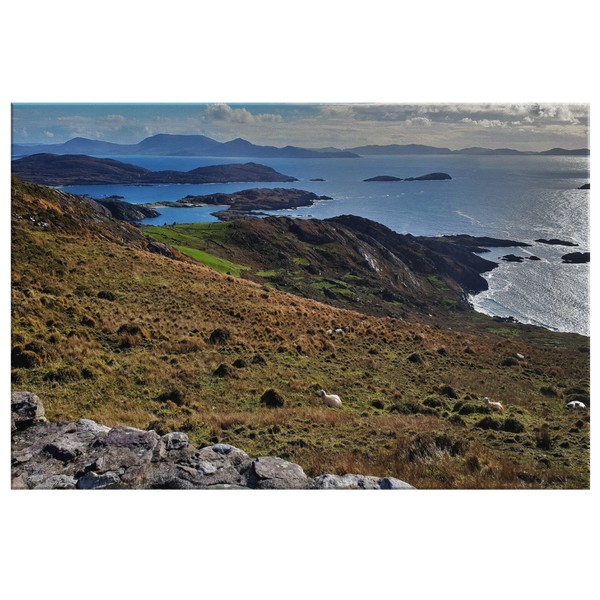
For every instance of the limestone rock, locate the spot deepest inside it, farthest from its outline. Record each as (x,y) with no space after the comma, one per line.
(25,408)
(275,473)
(359,482)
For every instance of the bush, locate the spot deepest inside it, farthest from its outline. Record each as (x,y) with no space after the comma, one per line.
(542,437)
(218,336)
(510,361)
(25,359)
(447,390)
(434,402)
(62,374)
(467,409)
(172,394)
(272,399)
(548,390)
(106,295)
(489,423)
(223,370)
(513,426)
(134,329)
(416,358)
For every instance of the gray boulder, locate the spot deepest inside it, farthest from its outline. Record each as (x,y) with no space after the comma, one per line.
(359,482)
(25,409)
(274,473)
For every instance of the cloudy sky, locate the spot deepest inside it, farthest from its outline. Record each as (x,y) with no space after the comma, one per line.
(520,126)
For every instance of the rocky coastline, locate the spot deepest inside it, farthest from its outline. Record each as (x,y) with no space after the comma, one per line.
(85,455)
(246,203)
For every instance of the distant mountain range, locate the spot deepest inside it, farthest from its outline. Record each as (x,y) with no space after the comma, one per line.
(177,145)
(200,145)
(416,149)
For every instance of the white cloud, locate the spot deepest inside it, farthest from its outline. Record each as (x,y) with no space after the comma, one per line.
(487,123)
(419,122)
(224,113)
(48,134)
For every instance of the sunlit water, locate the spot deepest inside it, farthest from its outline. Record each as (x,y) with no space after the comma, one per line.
(522,198)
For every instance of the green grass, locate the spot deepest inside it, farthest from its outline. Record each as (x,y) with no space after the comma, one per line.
(218,264)
(438,284)
(505,331)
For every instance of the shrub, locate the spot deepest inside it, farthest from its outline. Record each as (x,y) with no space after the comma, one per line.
(510,361)
(513,426)
(542,437)
(134,329)
(106,295)
(62,374)
(447,390)
(548,390)
(223,370)
(434,402)
(467,409)
(489,423)
(415,357)
(25,359)
(272,399)
(172,394)
(219,336)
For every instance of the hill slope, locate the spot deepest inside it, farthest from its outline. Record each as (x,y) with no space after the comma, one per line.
(106,328)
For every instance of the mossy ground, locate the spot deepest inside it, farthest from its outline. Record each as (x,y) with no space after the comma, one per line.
(122,336)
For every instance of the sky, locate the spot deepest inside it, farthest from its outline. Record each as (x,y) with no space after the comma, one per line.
(521,126)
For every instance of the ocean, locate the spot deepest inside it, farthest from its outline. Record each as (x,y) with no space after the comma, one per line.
(522,198)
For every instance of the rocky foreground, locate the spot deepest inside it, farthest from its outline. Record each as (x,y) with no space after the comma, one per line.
(85,455)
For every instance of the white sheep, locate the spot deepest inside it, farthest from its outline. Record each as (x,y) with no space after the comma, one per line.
(576,404)
(330,400)
(494,405)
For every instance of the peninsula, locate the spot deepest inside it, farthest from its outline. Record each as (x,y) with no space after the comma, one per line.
(75,169)
(243,204)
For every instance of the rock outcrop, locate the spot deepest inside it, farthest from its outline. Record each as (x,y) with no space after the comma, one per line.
(576,257)
(85,455)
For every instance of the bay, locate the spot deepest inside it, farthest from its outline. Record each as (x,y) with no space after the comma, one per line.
(518,197)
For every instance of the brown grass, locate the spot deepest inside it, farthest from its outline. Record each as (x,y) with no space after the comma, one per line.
(110,360)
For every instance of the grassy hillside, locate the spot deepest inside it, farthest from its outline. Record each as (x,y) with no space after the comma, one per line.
(104,329)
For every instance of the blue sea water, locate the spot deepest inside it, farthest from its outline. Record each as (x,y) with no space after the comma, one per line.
(517,197)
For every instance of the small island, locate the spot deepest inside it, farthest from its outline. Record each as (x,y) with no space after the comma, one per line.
(428,177)
(576,257)
(555,242)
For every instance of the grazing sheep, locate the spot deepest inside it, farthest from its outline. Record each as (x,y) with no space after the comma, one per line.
(576,404)
(330,400)
(494,405)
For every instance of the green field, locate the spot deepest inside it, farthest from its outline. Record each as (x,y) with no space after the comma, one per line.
(218,264)
(193,239)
